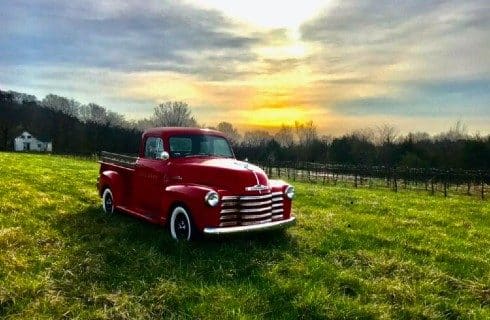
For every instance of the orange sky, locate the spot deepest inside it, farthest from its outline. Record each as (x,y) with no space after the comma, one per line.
(342,64)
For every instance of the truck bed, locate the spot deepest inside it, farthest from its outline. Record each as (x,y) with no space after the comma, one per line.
(122,160)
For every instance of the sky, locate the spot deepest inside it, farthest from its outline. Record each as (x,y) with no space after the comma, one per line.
(345,65)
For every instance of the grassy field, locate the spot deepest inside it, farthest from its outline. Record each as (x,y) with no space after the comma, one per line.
(355,253)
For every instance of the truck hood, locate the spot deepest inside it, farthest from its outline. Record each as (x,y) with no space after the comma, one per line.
(221,173)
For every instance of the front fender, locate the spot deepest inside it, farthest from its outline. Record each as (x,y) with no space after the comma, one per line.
(192,197)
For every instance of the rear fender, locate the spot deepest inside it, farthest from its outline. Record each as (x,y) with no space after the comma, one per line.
(111,179)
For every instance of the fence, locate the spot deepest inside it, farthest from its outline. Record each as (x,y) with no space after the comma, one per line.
(471,182)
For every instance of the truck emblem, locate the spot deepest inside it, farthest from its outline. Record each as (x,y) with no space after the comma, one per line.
(257,187)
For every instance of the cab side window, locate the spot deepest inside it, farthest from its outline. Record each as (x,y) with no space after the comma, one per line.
(153,147)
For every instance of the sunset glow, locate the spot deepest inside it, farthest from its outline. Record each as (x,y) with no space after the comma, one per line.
(259,64)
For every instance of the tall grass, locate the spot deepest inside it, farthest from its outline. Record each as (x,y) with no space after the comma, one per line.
(355,253)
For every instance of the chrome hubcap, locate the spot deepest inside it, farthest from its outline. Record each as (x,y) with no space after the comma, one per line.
(181,227)
(108,203)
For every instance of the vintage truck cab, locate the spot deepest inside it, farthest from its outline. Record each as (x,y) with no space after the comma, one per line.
(189,179)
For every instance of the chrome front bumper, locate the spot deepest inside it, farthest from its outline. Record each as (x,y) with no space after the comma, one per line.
(251,228)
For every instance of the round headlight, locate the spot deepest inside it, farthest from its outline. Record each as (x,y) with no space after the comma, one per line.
(289,192)
(212,198)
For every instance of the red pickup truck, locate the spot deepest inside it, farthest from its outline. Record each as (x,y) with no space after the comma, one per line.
(189,179)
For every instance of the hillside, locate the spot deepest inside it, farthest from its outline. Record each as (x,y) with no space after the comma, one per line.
(355,253)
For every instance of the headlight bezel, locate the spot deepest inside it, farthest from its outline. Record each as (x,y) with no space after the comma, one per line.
(212,198)
(289,192)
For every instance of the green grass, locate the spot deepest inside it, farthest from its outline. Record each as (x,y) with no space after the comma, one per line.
(355,253)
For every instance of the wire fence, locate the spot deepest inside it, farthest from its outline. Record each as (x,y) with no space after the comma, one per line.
(434,181)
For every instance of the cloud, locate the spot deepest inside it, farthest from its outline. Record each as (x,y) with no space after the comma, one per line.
(126,36)
(354,60)
(400,40)
(401,59)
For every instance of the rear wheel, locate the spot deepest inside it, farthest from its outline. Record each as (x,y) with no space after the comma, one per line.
(181,228)
(108,201)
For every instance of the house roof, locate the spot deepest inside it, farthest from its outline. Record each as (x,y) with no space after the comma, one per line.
(40,137)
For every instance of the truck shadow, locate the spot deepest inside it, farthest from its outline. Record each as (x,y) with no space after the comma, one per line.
(120,253)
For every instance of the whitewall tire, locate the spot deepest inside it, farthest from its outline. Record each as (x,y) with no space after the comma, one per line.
(181,225)
(108,201)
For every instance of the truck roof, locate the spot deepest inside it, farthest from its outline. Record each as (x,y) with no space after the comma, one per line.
(167,131)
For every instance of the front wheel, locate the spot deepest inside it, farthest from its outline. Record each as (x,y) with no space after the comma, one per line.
(108,201)
(181,225)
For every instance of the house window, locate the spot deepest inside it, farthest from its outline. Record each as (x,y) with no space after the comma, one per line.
(39,145)
(28,137)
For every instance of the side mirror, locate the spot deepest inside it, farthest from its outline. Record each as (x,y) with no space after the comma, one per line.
(163,155)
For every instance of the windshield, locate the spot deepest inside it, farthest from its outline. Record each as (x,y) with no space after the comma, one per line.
(199,145)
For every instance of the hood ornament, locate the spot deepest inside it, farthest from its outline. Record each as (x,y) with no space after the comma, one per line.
(257,187)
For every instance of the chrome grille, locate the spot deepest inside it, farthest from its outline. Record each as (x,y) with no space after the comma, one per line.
(249,210)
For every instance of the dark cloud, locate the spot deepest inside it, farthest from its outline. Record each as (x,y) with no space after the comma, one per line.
(124,36)
(430,36)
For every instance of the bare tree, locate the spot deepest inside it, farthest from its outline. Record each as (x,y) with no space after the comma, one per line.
(459,131)
(306,133)
(20,97)
(256,138)
(285,136)
(418,136)
(84,114)
(97,114)
(385,134)
(231,132)
(173,114)
(62,104)
(365,134)
(142,124)
(115,119)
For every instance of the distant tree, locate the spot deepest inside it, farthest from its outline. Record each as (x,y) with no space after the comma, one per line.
(142,124)
(285,136)
(115,119)
(306,133)
(98,114)
(365,134)
(256,138)
(416,137)
(61,104)
(231,132)
(385,134)
(459,131)
(84,113)
(21,98)
(173,114)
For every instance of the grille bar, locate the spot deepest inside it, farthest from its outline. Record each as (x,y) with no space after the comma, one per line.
(249,210)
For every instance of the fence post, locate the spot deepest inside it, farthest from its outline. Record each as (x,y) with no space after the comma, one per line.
(395,185)
(324,172)
(482,188)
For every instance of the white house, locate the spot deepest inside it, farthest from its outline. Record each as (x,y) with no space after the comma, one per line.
(26,142)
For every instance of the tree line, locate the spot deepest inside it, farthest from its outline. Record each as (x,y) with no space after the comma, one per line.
(86,129)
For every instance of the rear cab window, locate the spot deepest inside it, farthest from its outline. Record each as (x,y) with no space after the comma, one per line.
(153,147)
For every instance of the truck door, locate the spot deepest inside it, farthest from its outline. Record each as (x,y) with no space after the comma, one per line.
(149,182)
